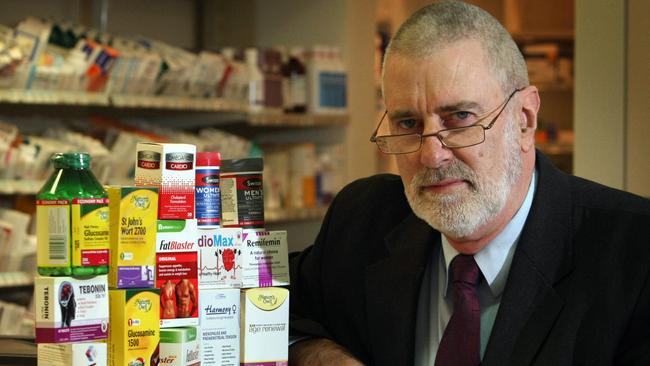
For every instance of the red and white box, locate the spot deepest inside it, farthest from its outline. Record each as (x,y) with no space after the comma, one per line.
(171,168)
(177,273)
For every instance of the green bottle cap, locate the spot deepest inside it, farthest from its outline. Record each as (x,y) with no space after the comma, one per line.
(72,160)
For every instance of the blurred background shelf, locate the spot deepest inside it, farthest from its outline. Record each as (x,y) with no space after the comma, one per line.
(275,216)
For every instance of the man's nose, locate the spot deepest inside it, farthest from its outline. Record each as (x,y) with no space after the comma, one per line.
(433,154)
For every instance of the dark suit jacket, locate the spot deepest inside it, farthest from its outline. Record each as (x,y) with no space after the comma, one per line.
(577,293)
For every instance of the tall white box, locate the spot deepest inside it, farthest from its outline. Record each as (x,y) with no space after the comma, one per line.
(220,258)
(171,167)
(264,326)
(219,320)
(265,258)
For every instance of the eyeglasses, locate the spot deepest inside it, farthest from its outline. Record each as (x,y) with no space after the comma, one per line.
(451,138)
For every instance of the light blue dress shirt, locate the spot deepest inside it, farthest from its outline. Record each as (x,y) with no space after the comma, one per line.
(435,304)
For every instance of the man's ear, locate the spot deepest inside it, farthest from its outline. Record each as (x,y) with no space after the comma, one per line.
(528,117)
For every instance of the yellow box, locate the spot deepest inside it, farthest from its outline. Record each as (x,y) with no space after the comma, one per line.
(134,333)
(133,213)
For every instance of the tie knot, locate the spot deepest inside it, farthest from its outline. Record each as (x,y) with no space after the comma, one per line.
(465,269)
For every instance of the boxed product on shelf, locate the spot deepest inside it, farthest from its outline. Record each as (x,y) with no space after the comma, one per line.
(264,326)
(15,319)
(219,320)
(13,234)
(219,258)
(303,166)
(326,80)
(171,167)
(75,354)
(180,346)
(177,272)
(264,258)
(133,213)
(134,328)
(70,309)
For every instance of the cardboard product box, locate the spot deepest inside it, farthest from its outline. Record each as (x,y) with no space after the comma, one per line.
(135,330)
(219,320)
(171,167)
(70,309)
(177,273)
(264,326)
(220,258)
(265,260)
(180,347)
(133,212)
(76,354)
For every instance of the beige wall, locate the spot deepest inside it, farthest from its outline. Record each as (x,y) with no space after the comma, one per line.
(638,98)
(612,91)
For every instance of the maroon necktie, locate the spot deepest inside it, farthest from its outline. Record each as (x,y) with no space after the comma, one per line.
(461,341)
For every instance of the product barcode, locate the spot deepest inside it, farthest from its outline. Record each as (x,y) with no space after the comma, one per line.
(58,247)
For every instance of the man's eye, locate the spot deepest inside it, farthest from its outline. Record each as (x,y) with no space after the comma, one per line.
(463,115)
(460,119)
(407,124)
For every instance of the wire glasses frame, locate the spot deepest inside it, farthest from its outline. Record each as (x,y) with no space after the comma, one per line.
(451,138)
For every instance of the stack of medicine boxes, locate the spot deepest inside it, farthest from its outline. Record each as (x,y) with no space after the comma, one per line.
(171,168)
(263,258)
(219,269)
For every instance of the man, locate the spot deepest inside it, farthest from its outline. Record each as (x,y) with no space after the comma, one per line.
(481,251)
(168,300)
(186,299)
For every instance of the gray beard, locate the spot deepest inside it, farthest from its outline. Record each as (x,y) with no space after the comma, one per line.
(461,214)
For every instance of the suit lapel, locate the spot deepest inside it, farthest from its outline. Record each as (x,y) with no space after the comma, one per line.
(392,290)
(530,304)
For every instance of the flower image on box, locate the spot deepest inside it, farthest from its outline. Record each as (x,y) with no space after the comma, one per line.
(219,258)
(177,272)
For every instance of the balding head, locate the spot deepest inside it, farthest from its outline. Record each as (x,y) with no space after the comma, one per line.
(437,25)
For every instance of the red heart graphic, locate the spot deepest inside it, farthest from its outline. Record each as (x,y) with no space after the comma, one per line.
(228,259)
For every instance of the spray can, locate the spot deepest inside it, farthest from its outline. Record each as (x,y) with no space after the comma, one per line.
(207,197)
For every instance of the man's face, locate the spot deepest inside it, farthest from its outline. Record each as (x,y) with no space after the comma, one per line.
(457,191)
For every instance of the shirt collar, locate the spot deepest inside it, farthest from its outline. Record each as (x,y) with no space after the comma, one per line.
(495,258)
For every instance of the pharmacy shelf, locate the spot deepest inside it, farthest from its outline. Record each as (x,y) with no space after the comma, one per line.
(208,111)
(294,214)
(20,186)
(37,97)
(15,280)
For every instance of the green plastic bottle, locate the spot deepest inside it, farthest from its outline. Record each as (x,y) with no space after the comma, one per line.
(72,220)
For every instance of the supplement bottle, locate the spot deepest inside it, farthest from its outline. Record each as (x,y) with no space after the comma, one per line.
(207,197)
(72,220)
